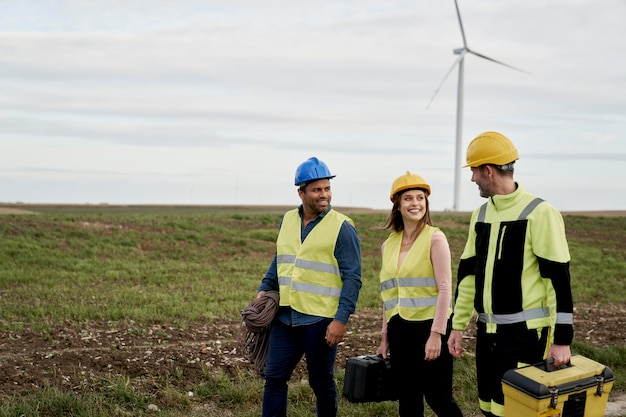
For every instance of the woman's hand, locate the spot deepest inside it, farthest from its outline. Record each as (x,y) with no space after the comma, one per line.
(383,348)
(433,347)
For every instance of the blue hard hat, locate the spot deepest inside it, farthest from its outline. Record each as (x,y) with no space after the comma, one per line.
(311,170)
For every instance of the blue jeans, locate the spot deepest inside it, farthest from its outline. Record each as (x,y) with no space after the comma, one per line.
(287,345)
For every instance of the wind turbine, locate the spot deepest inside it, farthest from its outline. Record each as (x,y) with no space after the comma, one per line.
(461,52)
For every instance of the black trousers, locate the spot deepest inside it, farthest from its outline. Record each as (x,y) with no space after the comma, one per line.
(418,379)
(497,353)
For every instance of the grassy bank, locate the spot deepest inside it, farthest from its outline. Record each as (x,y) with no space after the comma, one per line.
(69,267)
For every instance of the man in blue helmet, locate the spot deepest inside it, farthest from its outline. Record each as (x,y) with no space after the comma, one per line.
(317,271)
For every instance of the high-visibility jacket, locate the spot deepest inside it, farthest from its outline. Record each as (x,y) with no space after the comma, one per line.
(411,290)
(515,267)
(308,272)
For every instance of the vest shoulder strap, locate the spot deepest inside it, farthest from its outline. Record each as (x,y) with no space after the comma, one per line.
(482,212)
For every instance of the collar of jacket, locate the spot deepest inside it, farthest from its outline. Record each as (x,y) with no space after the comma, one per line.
(504,201)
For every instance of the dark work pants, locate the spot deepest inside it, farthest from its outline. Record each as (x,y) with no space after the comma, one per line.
(287,344)
(504,350)
(418,379)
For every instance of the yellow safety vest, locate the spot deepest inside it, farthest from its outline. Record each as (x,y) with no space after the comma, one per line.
(308,272)
(499,273)
(411,290)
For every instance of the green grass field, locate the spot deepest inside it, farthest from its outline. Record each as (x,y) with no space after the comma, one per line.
(70,266)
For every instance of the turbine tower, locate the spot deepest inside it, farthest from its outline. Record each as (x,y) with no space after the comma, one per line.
(461,52)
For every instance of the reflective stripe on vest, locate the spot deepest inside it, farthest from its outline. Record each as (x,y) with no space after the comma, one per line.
(317,266)
(482,213)
(316,289)
(288,260)
(522,316)
(409,282)
(304,264)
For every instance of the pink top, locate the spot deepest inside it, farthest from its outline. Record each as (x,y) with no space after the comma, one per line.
(440,258)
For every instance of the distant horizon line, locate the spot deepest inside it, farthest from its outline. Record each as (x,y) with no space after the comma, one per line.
(347,209)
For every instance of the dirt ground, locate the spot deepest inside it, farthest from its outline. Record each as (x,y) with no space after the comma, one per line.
(78,358)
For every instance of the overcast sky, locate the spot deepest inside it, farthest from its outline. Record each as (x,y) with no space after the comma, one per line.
(217,102)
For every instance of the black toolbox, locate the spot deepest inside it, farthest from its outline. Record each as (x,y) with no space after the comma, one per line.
(368,379)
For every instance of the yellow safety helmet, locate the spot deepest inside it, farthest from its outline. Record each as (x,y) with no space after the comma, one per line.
(490,148)
(408,181)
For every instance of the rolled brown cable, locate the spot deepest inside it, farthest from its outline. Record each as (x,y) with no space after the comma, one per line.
(257,317)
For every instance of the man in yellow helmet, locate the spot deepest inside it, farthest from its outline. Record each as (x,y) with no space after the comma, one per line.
(317,270)
(514,272)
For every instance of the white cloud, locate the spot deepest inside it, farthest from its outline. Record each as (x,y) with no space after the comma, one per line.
(219,101)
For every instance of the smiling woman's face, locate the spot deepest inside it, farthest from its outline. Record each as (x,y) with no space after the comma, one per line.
(412,205)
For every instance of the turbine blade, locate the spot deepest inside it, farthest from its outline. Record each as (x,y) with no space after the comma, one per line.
(458,14)
(461,55)
(498,62)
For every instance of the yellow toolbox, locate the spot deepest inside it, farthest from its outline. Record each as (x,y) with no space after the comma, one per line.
(580,389)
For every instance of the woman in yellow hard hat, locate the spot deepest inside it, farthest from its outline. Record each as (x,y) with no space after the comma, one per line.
(416,289)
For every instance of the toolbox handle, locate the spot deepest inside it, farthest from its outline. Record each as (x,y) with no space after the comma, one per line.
(548,365)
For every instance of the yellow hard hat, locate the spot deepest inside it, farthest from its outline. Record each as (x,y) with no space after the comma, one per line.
(408,181)
(490,148)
